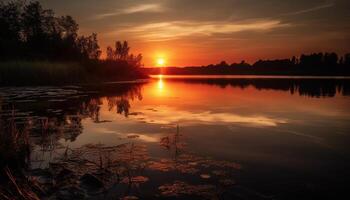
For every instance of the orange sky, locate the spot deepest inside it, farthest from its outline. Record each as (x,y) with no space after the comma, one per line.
(201,32)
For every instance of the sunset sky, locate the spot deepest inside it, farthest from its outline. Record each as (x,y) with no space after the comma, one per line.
(200,32)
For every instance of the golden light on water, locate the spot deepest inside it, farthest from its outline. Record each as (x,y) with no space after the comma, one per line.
(160,87)
(160,83)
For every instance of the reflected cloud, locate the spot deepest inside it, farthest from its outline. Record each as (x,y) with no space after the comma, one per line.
(163,31)
(154,138)
(168,115)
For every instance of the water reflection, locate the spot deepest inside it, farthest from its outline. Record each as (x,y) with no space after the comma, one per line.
(312,87)
(54,114)
(160,89)
(179,137)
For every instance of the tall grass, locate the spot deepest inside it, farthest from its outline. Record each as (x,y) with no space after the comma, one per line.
(14,159)
(41,72)
(19,73)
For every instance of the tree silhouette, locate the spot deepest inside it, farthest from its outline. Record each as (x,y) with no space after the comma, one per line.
(89,47)
(33,19)
(121,50)
(30,32)
(69,26)
(121,54)
(125,50)
(10,27)
(330,59)
(347,59)
(10,21)
(110,54)
(135,61)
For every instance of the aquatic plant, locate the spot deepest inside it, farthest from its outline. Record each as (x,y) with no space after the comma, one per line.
(14,159)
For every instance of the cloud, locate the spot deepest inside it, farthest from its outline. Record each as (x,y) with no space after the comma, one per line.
(319,7)
(163,31)
(144,8)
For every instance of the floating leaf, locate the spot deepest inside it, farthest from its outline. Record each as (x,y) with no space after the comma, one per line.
(136,179)
(181,188)
(227,182)
(219,172)
(129,198)
(205,176)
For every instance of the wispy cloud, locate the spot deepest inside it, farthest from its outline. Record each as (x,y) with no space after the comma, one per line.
(144,8)
(176,29)
(316,8)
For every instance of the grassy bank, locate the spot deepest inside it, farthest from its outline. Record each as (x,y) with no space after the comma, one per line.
(41,72)
(19,73)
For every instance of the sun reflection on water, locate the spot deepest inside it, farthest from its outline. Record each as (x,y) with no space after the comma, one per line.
(160,86)
(160,83)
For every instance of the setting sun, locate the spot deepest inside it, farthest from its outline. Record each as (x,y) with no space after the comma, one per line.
(161,99)
(161,62)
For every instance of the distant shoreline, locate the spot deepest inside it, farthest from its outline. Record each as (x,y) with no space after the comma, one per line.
(231,71)
(225,76)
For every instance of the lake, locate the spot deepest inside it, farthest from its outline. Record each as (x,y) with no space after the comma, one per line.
(205,137)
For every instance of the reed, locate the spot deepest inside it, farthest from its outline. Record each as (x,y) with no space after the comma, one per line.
(14,159)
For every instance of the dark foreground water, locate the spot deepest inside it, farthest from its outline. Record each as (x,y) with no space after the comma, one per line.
(189,137)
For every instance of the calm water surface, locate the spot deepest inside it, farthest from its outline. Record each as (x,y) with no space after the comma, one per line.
(287,138)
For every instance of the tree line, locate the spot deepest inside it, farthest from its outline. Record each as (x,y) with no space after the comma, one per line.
(311,63)
(306,64)
(303,87)
(31,33)
(28,31)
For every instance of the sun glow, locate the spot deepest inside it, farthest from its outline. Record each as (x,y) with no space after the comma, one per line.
(161,62)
